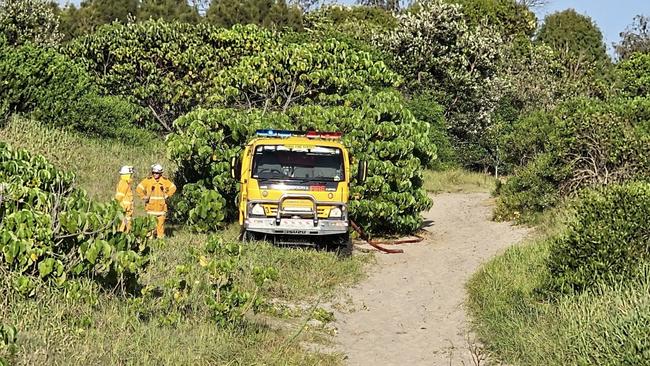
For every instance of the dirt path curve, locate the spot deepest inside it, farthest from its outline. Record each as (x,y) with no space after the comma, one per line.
(410,309)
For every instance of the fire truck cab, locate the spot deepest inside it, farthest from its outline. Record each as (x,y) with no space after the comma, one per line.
(295,188)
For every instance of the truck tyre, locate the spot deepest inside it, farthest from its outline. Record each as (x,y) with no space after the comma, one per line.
(246,236)
(344,245)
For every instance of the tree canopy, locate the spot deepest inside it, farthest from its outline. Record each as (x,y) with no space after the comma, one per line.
(268,13)
(572,33)
(24,21)
(510,17)
(170,10)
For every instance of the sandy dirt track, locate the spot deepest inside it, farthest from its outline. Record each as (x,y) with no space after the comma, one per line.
(410,309)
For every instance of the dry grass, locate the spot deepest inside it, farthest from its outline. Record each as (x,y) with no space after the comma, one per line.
(457,180)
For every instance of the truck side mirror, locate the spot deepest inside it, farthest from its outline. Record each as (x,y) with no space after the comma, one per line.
(235,168)
(362,173)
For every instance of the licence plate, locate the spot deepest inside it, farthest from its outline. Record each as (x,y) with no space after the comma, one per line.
(294,223)
(295,231)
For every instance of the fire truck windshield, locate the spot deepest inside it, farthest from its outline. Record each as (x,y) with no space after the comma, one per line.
(305,163)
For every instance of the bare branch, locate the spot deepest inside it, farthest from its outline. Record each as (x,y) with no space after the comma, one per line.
(533,3)
(160,120)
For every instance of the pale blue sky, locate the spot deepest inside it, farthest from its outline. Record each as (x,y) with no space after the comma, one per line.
(612,16)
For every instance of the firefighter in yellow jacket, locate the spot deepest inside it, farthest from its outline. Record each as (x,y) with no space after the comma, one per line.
(154,191)
(124,196)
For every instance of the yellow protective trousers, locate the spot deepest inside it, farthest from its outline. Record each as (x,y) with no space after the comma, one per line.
(160,226)
(124,196)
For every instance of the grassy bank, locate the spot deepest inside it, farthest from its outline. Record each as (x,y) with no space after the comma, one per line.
(95,162)
(607,325)
(83,325)
(87,326)
(457,180)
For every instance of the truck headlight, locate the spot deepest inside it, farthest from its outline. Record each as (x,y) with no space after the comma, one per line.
(336,212)
(257,210)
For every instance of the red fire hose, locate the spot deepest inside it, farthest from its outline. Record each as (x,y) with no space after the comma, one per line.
(376,244)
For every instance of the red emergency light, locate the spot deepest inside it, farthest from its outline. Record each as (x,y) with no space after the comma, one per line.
(323,135)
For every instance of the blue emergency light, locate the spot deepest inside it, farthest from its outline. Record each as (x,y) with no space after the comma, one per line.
(278,133)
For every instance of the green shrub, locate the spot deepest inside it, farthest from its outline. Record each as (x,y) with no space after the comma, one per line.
(527,138)
(606,240)
(532,190)
(103,116)
(634,75)
(425,108)
(167,68)
(214,280)
(23,21)
(583,143)
(356,25)
(60,93)
(51,230)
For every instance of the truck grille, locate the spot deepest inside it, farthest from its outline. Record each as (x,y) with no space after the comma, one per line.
(272,210)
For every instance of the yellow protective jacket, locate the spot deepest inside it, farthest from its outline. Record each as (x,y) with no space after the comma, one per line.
(156,192)
(124,194)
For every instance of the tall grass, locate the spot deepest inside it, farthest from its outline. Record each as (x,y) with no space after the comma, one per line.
(96,162)
(457,180)
(87,326)
(58,330)
(607,325)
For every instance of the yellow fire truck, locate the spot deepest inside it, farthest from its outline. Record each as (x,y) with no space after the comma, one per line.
(295,188)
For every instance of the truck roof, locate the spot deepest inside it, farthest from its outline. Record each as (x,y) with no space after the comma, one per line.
(297,140)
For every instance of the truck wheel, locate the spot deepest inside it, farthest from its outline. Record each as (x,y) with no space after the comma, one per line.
(246,236)
(344,244)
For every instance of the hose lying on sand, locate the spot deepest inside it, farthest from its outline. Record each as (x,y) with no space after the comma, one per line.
(377,244)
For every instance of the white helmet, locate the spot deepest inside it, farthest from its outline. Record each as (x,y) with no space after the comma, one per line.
(126,169)
(156,168)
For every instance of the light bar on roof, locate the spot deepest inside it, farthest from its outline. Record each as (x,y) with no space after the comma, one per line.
(278,133)
(309,134)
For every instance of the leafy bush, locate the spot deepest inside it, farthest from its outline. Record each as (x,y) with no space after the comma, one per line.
(168,68)
(52,230)
(59,92)
(634,75)
(583,143)
(305,73)
(24,21)
(426,109)
(510,17)
(532,190)
(571,32)
(607,240)
(356,25)
(376,128)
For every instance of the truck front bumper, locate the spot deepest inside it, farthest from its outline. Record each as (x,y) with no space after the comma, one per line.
(301,220)
(296,226)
